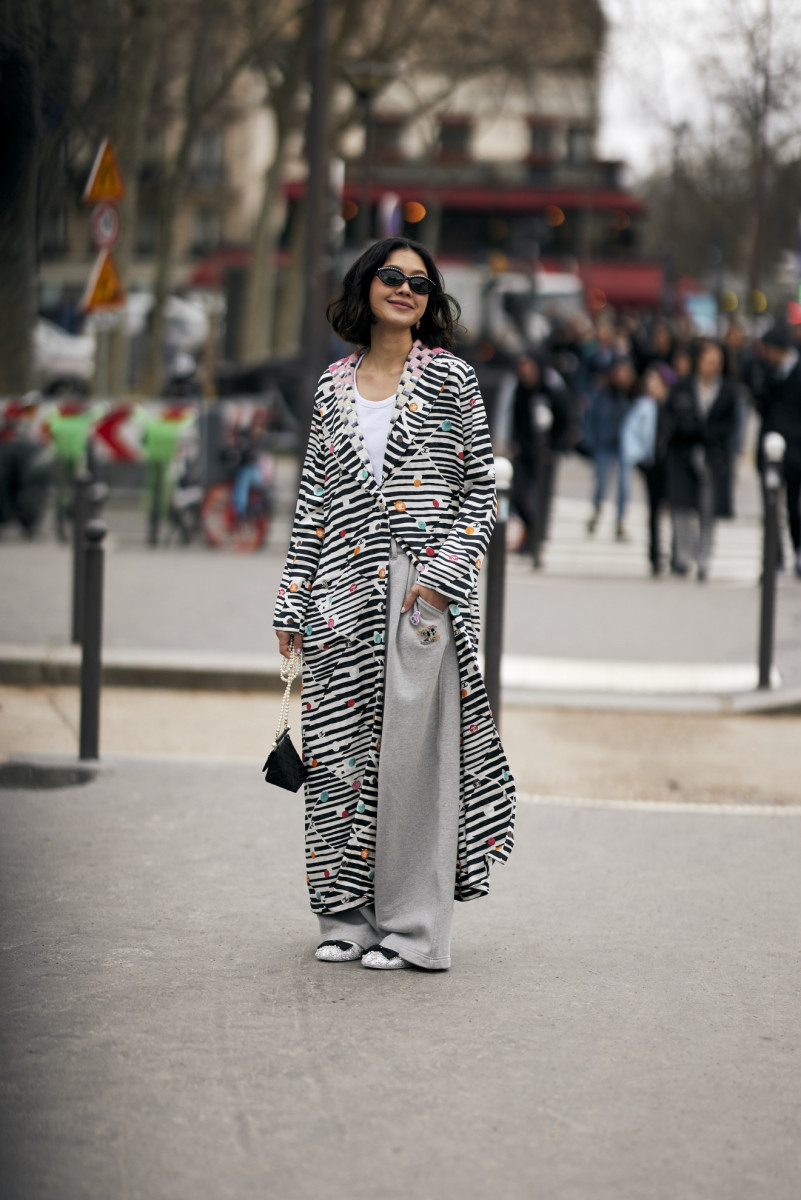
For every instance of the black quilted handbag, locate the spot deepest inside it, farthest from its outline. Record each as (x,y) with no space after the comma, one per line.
(284,767)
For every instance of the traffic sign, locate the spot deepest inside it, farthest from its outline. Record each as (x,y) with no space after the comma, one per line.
(104,289)
(105,179)
(105,221)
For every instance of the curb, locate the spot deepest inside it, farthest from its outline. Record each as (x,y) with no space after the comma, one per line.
(59,666)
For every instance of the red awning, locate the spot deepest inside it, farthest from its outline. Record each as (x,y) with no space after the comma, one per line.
(494,199)
(638,284)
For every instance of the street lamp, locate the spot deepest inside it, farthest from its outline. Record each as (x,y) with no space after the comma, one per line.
(773,448)
(367,79)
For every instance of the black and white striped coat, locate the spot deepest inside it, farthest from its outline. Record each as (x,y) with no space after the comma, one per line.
(437,499)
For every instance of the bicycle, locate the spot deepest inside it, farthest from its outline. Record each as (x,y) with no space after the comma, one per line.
(225,528)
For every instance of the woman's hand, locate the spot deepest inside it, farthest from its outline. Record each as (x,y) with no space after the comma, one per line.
(435,599)
(283,636)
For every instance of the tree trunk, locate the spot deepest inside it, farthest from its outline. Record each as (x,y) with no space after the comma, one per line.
(19,23)
(289,315)
(137,74)
(260,291)
(168,210)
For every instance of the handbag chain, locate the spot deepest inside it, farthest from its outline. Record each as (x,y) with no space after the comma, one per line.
(290,668)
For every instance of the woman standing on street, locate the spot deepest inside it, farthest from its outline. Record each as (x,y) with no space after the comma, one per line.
(700,419)
(409,797)
(604,419)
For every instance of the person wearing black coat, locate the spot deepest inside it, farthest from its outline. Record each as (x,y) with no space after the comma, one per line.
(700,418)
(536,385)
(779,404)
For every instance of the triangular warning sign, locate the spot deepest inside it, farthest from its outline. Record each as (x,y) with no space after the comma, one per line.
(104,289)
(105,179)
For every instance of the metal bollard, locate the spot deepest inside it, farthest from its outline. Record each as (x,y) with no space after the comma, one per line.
(91,665)
(80,515)
(773,447)
(543,420)
(154,516)
(98,495)
(496,586)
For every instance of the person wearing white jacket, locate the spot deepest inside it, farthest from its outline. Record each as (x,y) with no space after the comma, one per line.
(639,446)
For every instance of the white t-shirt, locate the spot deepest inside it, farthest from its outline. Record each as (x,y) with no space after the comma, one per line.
(375,417)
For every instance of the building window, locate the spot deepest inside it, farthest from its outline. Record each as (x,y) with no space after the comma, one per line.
(147,232)
(454,140)
(206,166)
(54,231)
(387,135)
(207,231)
(580,147)
(541,141)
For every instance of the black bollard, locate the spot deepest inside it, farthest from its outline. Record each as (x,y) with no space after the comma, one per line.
(154,516)
(773,447)
(98,495)
(80,515)
(496,586)
(543,420)
(91,664)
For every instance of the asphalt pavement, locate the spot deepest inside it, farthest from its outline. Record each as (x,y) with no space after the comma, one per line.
(621,1019)
(590,626)
(620,1022)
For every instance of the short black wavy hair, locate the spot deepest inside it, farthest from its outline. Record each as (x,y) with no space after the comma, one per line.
(351,316)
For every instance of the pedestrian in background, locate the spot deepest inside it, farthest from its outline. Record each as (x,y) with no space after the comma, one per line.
(779,405)
(607,411)
(409,797)
(700,419)
(536,387)
(642,446)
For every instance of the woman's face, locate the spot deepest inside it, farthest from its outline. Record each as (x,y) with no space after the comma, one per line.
(623,376)
(399,307)
(528,372)
(710,362)
(661,339)
(655,386)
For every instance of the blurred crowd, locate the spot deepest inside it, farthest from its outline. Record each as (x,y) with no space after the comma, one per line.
(648,396)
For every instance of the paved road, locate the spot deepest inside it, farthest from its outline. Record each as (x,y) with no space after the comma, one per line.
(594,600)
(620,1023)
(644,756)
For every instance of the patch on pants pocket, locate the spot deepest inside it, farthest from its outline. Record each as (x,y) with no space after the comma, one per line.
(428,633)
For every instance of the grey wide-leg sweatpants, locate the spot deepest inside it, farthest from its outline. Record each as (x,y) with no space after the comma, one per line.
(418,787)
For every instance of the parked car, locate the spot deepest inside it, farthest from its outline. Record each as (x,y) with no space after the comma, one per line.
(64,363)
(186,323)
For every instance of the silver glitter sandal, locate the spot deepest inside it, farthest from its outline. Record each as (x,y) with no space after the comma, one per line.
(382,959)
(338,951)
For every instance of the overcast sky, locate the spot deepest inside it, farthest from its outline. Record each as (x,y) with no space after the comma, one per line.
(650,78)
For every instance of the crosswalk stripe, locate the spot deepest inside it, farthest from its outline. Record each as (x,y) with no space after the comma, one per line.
(571,551)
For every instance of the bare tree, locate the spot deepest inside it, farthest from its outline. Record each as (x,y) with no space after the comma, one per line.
(725,190)
(213,58)
(18,151)
(138,63)
(754,81)
(513,39)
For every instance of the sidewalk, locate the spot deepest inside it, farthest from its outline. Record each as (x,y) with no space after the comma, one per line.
(619,1022)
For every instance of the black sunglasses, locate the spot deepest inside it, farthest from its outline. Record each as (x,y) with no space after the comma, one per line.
(394,277)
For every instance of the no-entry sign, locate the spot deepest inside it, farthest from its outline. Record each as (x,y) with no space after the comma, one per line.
(105,222)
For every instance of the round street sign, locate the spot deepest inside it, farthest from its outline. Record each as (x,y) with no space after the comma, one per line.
(105,220)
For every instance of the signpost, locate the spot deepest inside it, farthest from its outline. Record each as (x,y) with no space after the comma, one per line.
(104,292)
(106,225)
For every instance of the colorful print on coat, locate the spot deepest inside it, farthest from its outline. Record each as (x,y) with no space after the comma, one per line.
(437,499)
